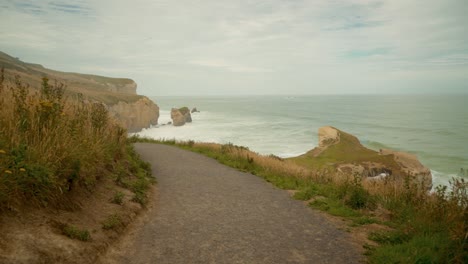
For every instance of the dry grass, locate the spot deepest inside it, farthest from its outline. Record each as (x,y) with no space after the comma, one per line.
(51,145)
(427,227)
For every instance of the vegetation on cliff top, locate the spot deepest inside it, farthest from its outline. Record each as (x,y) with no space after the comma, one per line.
(51,147)
(348,150)
(421,227)
(98,88)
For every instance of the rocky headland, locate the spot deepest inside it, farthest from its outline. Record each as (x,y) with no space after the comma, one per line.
(131,110)
(343,152)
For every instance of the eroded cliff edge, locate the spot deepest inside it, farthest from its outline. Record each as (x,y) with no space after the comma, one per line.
(132,111)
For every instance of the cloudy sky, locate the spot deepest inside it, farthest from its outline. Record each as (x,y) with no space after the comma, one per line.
(221,47)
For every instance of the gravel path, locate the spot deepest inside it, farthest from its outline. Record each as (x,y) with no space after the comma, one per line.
(205,212)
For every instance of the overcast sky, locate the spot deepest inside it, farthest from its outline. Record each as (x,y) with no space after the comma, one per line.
(221,47)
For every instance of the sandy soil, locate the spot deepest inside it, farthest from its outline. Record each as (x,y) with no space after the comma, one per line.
(34,235)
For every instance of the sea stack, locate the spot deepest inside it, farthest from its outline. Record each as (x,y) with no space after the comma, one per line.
(178,119)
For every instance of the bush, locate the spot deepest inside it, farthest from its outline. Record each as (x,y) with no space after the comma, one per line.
(112,222)
(118,198)
(76,233)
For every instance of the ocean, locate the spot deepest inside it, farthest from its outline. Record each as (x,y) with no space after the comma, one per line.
(434,127)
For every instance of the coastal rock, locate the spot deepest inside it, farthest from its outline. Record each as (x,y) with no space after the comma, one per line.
(328,136)
(194,110)
(409,164)
(343,152)
(178,119)
(135,116)
(186,112)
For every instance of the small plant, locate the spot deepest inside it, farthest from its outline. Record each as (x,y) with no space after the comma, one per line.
(113,221)
(118,198)
(357,197)
(190,143)
(139,198)
(74,232)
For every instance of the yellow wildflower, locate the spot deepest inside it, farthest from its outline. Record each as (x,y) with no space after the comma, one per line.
(2,151)
(8,172)
(22,169)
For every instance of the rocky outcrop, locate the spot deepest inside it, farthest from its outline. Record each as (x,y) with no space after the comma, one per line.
(180,116)
(409,164)
(137,115)
(186,112)
(194,110)
(328,136)
(127,86)
(178,119)
(347,155)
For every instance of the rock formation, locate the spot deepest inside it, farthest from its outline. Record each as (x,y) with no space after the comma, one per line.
(178,119)
(186,112)
(180,116)
(137,115)
(344,152)
(409,164)
(194,110)
(328,136)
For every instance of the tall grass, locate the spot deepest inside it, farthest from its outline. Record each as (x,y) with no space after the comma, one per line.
(51,145)
(425,227)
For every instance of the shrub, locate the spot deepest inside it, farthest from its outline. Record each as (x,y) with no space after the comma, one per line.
(118,198)
(112,222)
(74,232)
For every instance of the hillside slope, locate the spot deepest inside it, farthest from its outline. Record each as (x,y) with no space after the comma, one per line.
(133,111)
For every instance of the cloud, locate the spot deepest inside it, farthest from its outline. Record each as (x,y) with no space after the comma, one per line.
(220,64)
(272,46)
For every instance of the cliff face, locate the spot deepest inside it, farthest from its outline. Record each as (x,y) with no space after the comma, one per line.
(132,111)
(137,115)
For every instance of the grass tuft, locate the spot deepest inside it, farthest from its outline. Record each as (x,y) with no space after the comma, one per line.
(118,198)
(113,221)
(74,232)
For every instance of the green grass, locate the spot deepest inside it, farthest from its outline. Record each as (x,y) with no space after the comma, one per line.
(348,150)
(113,221)
(118,198)
(74,232)
(427,228)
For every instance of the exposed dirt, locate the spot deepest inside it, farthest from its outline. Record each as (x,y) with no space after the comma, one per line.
(31,235)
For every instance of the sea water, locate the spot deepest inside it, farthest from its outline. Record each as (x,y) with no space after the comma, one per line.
(434,127)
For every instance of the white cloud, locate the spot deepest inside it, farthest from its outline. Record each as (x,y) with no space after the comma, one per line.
(270,46)
(220,64)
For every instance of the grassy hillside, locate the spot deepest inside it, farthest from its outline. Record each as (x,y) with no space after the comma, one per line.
(93,87)
(347,151)
(51,148)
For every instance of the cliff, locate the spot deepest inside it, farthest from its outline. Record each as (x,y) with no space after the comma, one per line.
(132,111)
(137,115)
(344,153)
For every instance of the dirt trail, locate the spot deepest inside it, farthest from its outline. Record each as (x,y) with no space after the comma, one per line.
(205,212)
